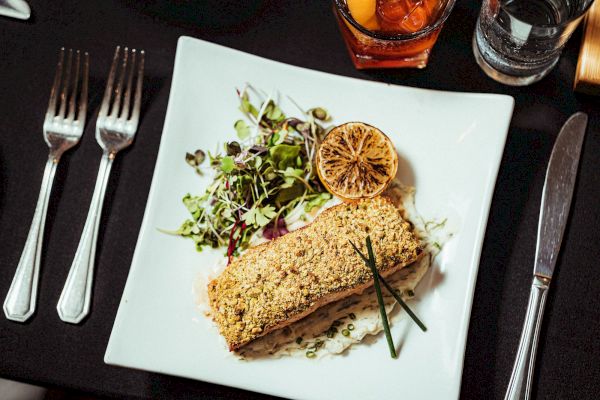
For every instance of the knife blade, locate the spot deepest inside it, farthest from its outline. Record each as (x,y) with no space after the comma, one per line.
(556,202)
(15,9)
(557,193)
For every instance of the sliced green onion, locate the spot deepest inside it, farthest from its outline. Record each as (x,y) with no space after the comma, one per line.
(311,354)
(350,327)
(345,332)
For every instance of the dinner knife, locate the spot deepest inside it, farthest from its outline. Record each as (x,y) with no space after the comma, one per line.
(556,201)
(15,9)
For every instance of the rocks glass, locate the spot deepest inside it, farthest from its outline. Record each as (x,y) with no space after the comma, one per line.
(517,42)
(391,33)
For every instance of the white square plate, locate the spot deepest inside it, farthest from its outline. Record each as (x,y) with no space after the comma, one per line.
(451,145)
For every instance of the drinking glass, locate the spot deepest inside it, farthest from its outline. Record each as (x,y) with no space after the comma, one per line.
(518,42)
(391,33)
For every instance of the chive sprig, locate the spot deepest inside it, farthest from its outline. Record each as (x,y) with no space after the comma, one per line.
(377,278)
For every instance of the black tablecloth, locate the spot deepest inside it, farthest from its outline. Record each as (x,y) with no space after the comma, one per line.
(48,352)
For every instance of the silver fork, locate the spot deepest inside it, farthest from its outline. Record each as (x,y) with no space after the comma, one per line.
(61,132)
(114,132)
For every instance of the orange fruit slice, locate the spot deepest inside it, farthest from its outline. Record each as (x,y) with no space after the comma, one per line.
(356,161)
(363,12)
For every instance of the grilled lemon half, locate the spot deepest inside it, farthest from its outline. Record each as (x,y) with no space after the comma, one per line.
(356,161)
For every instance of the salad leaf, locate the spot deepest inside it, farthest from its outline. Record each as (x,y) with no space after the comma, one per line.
(242,129)
(273,112)
(317,201)
(291,175)
(284,155)
(259,216)
(233,148)
(227,164)
(247,107)
(320,113)
(275,229)
(290,193)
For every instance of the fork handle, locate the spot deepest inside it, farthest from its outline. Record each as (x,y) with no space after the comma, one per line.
(19,304)
(75,299)
(521,378)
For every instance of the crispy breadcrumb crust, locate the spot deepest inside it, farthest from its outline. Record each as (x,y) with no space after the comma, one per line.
(279,282)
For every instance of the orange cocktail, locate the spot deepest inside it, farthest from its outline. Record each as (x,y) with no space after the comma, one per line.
(391,33)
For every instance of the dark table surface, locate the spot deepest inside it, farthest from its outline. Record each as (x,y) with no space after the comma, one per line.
(48,352)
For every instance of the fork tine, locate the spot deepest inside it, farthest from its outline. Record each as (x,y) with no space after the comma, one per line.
(119,90)
(73,96)
(109,84)
(56,84)
(83,97)
(65,85)
(137,101)
(127,101)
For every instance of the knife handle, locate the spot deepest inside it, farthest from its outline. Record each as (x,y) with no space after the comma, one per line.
(519,387)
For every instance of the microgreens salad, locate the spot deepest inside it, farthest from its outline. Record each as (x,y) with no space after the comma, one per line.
(260,179)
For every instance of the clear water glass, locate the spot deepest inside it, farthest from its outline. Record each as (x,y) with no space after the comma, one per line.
(518,42)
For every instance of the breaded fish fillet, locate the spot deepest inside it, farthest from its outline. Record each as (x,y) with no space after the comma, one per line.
(279,282)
